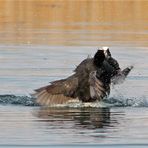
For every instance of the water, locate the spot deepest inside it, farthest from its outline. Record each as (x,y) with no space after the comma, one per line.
(23,123)
(44,41)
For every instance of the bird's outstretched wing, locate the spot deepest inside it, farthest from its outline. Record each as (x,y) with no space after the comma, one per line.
(97,89)
(58,92)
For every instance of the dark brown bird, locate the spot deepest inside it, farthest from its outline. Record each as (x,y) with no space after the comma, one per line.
(90,82)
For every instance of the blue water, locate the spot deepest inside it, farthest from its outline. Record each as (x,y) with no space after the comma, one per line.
(23,123)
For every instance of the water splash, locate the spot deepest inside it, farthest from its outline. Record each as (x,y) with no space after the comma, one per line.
(118,101)
(126,102)
(17,100)
(79,104)
(113,101)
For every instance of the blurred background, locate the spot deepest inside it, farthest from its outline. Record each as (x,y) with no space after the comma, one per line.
(74,22)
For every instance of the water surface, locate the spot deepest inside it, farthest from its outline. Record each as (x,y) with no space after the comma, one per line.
(41,41)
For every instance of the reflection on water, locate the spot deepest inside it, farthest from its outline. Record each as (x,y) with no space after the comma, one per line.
(32,126)
(90,118)
(74,22)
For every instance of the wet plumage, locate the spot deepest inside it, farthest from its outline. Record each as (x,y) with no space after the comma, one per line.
(90,82)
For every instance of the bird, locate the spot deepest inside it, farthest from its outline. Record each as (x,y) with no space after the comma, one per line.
(90,82)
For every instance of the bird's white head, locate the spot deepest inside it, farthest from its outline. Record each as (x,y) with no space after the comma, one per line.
(105,48)
(106,51)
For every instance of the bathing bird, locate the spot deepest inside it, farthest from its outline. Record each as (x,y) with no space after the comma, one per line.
(90,82)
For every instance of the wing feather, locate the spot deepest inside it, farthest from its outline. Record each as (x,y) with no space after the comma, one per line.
(97,90)
(57,93)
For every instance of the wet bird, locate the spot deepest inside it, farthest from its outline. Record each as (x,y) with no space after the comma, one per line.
(90,82)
